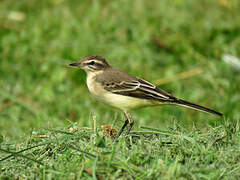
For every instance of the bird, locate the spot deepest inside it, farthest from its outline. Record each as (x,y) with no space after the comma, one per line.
(126,92)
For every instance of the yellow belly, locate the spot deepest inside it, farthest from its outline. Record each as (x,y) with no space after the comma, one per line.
(125,103)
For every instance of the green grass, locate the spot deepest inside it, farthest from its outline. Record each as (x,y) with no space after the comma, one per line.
(211,153)
(40,95)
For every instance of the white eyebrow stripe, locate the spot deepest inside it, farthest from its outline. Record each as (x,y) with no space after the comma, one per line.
(95,60)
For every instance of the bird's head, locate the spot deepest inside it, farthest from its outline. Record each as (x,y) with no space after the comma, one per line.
(91,63)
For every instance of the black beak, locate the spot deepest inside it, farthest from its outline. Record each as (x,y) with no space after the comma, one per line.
(75,64)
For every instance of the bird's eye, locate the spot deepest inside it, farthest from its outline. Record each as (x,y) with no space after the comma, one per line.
(91,63)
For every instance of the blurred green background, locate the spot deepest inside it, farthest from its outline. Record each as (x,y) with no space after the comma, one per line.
(153,40)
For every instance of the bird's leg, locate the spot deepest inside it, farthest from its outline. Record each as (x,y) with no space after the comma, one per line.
(130,120)
(123,127)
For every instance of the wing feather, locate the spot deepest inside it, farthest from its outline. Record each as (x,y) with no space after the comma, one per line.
(140,89)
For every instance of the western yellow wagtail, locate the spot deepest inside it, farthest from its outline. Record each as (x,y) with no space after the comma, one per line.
(125,91)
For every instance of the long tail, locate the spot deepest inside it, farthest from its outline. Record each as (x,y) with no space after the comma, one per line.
(197,107)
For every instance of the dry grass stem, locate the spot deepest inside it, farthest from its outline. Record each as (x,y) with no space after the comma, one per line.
(184,75)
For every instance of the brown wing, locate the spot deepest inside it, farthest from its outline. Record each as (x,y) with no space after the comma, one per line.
(125,84)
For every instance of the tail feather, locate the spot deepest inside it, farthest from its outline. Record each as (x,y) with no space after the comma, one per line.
(197,107)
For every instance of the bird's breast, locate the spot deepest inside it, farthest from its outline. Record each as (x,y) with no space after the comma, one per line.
(95,88)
